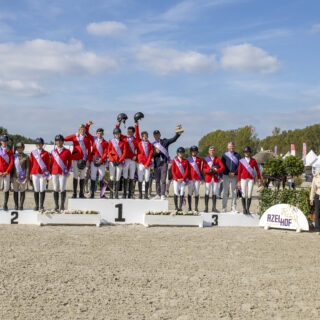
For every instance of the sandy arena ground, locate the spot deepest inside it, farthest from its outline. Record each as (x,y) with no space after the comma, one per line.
(133,272)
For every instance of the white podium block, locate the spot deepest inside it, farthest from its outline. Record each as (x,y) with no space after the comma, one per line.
(119,211)
(69,219)
(177,220)
(230,219)
(19,217)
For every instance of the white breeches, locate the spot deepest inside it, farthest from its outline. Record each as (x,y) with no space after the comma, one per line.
(39,184)
(247,187)
(101,169)
(194,187)
(115,171)
(178,188)
(5,181)
(59,182)
(212,187)
(143,171)
(130,169)
(18,186)
(77,173)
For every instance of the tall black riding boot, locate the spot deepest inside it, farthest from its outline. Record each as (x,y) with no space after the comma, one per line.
(248,205)
(140,189)
(206,203)
(42,197)
(5,203)
(63,199)
(131,189)
(36,201)
(111,188)
(92,187)
(16,199)
(81,194)
(125,188)
(180,203)
(146,190)
(22,197)
(56,200)
(116,195)
(196,202)
(190,202)
(243,200)
(175,198)
(75,186)
(214,204)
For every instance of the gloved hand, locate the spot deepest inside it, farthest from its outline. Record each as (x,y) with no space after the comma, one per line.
(211,171)
(116,163)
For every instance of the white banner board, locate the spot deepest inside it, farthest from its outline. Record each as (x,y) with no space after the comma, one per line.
(284,216)
(119,211)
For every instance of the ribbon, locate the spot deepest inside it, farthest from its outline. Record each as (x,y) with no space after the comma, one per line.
(194,166)
(181,169)
(116,146)
(42,165)
(98,145)
(248,167)
(4,155)
(60,163)
(21,174)
(232,157)
(131,144)
(83,147)
(162,149)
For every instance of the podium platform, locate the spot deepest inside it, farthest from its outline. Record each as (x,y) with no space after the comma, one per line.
(230,219)
(19,217)
(119,211)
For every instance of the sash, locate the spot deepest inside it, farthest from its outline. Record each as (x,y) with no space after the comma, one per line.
(115,144)
(248,167)
(131,144)
(194,166)
(145,148)
(60,163)
(181,169)
(232,157)
(42,165)
(83,147)
(99,146)
(162,149)
(21,174)
(4,155)
(210,163)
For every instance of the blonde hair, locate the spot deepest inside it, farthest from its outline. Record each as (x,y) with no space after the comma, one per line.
(82,126)
(212,147)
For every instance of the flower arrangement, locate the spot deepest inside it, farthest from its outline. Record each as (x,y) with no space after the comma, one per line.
(70,211)
(173,213)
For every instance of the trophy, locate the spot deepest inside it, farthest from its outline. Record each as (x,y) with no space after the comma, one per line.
(179,129)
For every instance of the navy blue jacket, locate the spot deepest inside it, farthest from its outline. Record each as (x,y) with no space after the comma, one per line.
(229,165)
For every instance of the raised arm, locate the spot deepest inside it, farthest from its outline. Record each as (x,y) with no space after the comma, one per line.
(70,137)
(88,133)
(137,133)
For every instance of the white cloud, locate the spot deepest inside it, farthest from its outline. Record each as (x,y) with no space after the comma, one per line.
(43,58)
(247,58)
(165,60)
(106,28)
(19,88)
(315,28)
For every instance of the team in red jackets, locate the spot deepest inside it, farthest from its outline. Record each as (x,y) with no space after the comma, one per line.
(6,165)
(195,168)
(61,161)
(144,155)
(98,157)
(211,167)
(247,171)
(80,158)
(180,173)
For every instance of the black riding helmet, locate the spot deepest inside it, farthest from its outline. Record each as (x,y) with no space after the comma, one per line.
(247,149)
(181,150)
(194,148)
(59,137)
(122,117)
(116,130)
(138,116)
(39,140)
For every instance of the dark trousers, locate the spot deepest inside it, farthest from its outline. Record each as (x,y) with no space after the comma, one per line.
(317,212)
(160,174)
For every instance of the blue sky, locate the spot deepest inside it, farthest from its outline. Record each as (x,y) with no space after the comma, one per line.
(207,64)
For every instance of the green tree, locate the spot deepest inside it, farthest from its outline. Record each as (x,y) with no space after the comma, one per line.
(293,166)
(274,168)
